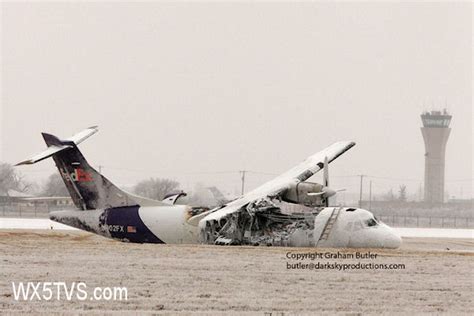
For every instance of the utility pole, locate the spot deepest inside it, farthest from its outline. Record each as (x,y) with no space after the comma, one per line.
(360,193)
(420,192)
(242,172)
(370,195)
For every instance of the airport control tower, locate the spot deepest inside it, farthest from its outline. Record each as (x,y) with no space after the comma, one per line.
(435,132)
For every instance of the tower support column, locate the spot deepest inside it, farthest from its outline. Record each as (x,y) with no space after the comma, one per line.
(435,133)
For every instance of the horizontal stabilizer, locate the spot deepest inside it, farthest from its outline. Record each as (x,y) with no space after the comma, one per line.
(55,145)
(83,135)
(43,155)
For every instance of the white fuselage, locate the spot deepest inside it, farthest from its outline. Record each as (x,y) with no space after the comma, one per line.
(169,224)
(340,227)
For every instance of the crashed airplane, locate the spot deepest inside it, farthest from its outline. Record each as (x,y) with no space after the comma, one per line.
(252,219)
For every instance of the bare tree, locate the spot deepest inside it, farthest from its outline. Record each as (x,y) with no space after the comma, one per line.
(155,188)
(402,193)
(11,179)
(54,186)
(389,196)
(202,196)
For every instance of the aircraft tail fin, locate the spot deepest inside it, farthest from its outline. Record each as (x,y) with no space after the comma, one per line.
(88,188)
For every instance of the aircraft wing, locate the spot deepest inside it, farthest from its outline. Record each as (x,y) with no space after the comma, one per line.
(273,188)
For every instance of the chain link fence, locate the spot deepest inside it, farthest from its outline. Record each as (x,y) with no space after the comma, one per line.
(31,211)
(427,222)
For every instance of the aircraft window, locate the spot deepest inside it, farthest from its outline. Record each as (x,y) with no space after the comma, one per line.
(371,222)
(350,210)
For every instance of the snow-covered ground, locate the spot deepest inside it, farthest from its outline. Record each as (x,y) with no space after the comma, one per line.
(44,223)
(32,223)
(197,279)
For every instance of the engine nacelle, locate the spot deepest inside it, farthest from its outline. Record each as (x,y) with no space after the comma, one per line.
(299,194)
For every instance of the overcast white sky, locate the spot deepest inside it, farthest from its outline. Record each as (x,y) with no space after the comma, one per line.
(190,89)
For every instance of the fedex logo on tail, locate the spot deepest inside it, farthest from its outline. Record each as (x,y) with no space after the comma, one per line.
(79,175)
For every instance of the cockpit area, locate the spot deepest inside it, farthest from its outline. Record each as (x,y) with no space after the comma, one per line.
(367,231)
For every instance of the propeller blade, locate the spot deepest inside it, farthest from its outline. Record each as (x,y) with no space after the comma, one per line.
(327,192)
(316,193)
(326,172)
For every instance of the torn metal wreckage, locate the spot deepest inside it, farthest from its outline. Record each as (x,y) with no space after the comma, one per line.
(262,223)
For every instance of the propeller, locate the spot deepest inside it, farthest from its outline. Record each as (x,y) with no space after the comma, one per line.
(326,172)
(326,191)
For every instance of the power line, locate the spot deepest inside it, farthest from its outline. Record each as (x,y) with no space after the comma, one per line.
(262,173)
(170,171)
(265,173)
(392,179)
